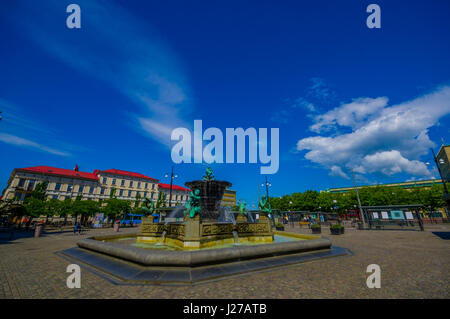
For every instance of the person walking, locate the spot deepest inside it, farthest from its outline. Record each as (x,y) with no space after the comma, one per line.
(77,228)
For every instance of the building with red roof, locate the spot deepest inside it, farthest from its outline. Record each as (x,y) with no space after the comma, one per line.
(97,185)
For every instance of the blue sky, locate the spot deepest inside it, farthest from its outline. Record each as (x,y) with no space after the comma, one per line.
(343,96)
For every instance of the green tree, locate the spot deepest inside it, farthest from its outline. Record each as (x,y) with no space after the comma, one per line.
(137,202)
(161,201)
(51,208)
(35,204)
(40,190)
(116,207)
(34,207)
(65,208)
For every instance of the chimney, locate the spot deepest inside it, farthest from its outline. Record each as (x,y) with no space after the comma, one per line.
(76,168)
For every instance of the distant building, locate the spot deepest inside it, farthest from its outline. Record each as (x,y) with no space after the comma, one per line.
(98,185)
(180,194)
(229,198)
(406,185)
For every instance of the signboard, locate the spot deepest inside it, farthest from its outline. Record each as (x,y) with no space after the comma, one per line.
(384,215)
(397,214)
(375,215)
(409,215)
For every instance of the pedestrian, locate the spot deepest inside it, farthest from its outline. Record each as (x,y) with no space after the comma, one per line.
(77,228)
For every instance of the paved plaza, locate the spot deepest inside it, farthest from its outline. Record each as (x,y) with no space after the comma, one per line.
(413,265)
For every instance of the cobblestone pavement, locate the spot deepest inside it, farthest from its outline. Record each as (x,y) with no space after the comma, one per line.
(413,265)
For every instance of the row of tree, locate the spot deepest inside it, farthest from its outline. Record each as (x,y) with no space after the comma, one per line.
(370,196)
(37,205)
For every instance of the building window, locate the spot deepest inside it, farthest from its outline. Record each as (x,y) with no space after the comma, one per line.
(121,192)
(80,189)
(21,182)
(104,180)
(91,189)
(67,197)
(131,183)
(102,191)
(153,186)
(122,183)
(145,194)
(129,193)
(55,196)
(139,185)
(31,185)
(69,188)
(146,185)
(57,186)
(114,181)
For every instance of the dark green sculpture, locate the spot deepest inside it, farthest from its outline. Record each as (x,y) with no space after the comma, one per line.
(242,208)
(193,205)
(264,205)
(148,207)
(208,175)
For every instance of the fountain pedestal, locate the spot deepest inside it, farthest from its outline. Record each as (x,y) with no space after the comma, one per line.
(195,234)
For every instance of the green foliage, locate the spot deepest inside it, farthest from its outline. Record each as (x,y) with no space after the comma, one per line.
(34,207)
(116,207)
(40,190)
(369,196)
(315,226)
(336,226)
(137,202)
(161,202)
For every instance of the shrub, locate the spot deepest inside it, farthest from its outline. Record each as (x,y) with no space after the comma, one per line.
(315,226)
(336,226)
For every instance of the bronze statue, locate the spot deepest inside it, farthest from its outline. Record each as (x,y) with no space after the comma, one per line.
(148,207)
(242,208)
(208,175)
(264,205)
(193,205)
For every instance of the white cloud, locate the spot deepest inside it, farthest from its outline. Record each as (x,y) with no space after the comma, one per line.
(18,141)
(391,162)
(337,171)
(390,140)
(353,114)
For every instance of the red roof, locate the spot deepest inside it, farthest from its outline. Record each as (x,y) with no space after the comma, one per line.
(174,187)
(59,171)
(124,173)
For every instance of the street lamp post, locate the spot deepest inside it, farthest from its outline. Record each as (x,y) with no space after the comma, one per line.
(267,184)
(172,176)
(359,202)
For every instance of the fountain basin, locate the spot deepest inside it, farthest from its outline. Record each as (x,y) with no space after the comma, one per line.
(192,258)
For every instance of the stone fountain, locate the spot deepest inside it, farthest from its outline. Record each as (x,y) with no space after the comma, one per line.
(201,247)
(201,227)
